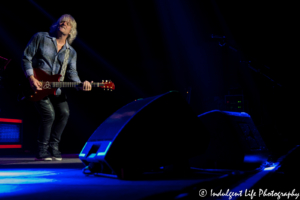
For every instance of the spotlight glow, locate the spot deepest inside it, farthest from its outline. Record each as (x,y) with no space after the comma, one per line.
(12,181)
(269,168)
(25,176)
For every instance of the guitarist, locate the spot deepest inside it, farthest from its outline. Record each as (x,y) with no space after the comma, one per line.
(47,52)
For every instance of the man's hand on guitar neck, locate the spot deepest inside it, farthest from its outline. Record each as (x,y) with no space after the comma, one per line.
(86,86)
(34,83)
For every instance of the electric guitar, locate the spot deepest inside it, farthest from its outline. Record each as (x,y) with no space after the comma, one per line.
(50,83)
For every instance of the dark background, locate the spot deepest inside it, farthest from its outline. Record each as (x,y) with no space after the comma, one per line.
(150,47)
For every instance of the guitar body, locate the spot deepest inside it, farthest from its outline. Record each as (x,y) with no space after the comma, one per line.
(46,88)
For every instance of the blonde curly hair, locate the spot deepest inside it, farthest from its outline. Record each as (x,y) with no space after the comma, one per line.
(73,23)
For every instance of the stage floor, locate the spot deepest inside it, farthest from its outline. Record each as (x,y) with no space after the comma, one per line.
(24,178)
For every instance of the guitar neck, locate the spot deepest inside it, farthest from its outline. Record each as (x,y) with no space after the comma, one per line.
(71,84)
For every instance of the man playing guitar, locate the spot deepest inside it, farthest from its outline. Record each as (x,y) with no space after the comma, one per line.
(46,51)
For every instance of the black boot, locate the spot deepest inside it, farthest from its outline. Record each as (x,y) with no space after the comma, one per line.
(43,153)
(54,151)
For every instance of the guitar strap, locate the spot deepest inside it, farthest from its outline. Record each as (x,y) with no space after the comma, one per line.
(64,67)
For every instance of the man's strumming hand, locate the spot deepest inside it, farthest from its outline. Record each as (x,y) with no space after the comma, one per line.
(34,83)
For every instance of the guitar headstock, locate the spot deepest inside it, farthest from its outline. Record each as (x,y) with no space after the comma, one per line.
(108,85)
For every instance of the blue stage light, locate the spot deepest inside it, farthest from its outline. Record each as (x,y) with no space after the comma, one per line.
(9,133)
(270,166)
(253,158)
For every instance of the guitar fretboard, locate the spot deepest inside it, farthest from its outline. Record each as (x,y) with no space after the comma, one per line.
(69,84)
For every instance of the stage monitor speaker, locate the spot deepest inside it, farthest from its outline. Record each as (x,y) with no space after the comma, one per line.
(235,143)
(143,135)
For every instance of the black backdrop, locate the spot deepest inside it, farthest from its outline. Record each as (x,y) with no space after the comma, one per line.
(150,47)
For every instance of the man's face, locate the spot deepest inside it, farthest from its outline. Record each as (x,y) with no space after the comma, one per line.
(65,26)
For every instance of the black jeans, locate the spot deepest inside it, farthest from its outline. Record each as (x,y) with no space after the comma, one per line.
(54,113)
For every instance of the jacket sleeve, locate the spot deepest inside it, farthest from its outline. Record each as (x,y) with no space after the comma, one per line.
(72,73)
(29,53)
